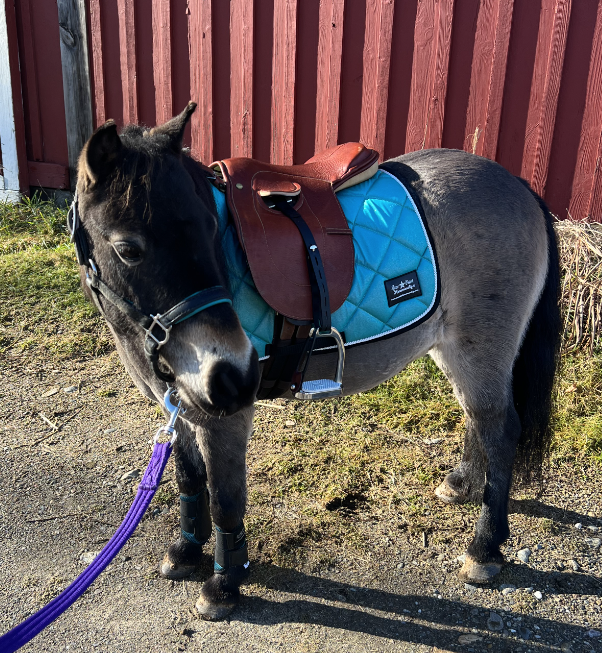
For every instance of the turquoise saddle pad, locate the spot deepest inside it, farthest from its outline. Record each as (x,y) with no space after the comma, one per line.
(395,281)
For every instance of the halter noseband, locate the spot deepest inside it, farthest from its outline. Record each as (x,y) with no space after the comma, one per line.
(157,328)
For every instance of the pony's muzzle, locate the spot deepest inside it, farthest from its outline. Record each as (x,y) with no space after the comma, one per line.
(229,388)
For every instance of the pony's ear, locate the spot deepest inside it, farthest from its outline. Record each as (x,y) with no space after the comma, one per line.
(99,155)
(174,128)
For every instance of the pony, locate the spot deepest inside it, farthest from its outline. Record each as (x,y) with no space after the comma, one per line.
(150,241)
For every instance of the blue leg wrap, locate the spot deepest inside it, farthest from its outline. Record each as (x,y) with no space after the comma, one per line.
(230,549)
(195,519)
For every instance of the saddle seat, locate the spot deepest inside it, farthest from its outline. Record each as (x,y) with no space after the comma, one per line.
(274,248)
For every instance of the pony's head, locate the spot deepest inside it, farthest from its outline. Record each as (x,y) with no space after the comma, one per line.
(149,219)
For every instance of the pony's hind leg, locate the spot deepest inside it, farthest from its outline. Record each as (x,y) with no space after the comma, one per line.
(465,482)
(183,557)
(483,385)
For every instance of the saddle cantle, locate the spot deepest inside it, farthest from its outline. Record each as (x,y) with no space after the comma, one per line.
(273,245)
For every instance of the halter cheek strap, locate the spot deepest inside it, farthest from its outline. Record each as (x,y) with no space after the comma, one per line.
(157,328)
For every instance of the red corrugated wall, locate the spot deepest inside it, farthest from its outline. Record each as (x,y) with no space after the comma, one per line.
(519,81)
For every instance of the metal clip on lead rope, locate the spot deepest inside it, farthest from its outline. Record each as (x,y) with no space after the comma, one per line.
(174,411)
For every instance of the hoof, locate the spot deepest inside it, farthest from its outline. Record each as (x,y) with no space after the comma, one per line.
(479,572)
(174,571)
(220,594)
(448,494)
(214,611)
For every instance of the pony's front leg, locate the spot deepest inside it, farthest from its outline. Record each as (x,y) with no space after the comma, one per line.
(183,557)
(223,444)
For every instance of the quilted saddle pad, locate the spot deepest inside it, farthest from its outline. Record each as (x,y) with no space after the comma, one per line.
(395,284)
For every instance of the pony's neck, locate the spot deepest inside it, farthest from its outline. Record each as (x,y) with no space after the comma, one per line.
(199,174)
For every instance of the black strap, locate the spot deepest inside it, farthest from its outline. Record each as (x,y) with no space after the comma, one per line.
(319,288)
(195,518)
(230,549)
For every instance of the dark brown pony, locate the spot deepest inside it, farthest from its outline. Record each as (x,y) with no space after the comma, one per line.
(150,222)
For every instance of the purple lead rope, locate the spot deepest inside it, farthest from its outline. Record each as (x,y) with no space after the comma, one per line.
(24,632)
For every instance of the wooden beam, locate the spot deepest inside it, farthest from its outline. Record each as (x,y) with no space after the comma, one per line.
(549,58)
(241,77)
(48,175)
(201,80)
(283,80)
(487,77)
(586,197)
(375,86)
(432,44)
(127,47)
(9,172)
(36,140)
(97,61)
(162,59)
(76,79)
(330,54)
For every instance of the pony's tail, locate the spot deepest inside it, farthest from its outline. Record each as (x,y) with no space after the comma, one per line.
(536,365)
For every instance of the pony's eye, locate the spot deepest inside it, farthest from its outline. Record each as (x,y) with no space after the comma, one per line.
(128,252)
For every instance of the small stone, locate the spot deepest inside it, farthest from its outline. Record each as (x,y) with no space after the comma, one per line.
(131,475)
(50,392)
(441,557)
(538,595)
(400,565)
(579,526)
(593,633)
(469,639)
(461,559)
(470,588)
(432,440)
(594,542)
(88,557)
(507,586)
(289,423)
(575,565)
(529,590)
(495,622)
(538,547)
(70,389)
(593,529)
(523,555)
(524,633)
(111,430)
(508,590)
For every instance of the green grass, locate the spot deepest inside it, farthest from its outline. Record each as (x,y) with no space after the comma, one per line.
(42,308)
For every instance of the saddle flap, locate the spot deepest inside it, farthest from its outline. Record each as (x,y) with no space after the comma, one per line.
(272,243)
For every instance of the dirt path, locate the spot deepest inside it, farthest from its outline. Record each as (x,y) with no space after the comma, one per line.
(62,495)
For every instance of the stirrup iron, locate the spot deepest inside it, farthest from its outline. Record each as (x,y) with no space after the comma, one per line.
(325,388)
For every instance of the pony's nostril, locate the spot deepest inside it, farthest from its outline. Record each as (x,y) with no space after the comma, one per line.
(227,385)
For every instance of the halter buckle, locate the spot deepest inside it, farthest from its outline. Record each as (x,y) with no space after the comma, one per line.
(157,322)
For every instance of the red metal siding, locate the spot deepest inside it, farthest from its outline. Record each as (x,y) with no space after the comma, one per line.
(519,81)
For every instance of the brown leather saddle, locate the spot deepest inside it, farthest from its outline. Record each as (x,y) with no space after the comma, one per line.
(298,245)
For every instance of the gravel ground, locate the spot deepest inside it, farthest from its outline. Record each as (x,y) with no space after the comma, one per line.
(62,493)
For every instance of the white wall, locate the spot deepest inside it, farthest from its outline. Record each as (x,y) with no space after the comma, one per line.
(9,174)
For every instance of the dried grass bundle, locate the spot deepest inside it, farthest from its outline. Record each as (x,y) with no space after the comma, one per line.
(580,248)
